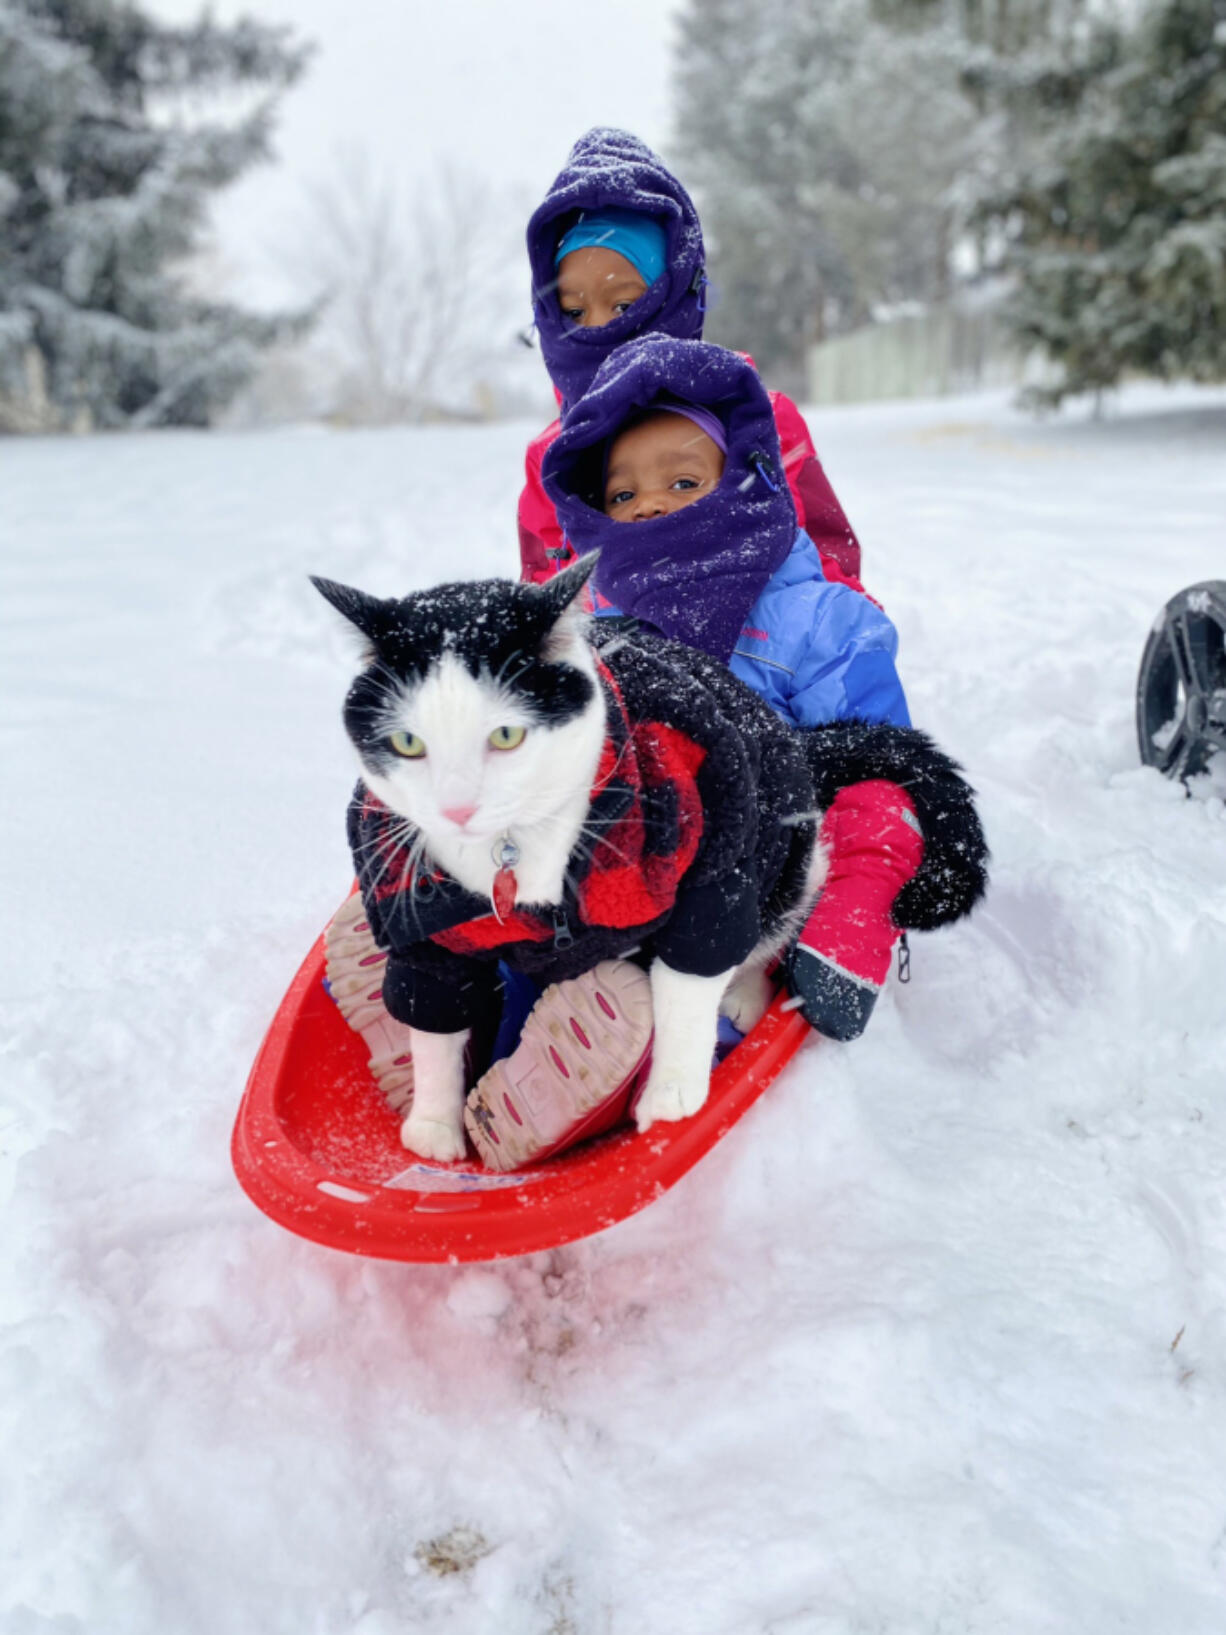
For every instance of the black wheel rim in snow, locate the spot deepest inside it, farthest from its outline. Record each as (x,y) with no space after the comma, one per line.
(1181,688)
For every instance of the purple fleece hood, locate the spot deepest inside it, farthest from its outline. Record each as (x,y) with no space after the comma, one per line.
(612,167)
(694,575)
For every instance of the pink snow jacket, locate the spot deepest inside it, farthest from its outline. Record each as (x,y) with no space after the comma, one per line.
(543,550)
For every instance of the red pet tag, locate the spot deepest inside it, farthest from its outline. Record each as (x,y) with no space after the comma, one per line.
(506,855)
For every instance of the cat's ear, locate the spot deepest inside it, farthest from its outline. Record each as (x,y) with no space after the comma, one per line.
(561,598)
(368,613)
(559,592)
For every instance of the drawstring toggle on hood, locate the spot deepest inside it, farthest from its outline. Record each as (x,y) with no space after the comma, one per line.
(762,467)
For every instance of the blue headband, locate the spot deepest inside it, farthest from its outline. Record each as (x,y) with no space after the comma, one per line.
(641,239)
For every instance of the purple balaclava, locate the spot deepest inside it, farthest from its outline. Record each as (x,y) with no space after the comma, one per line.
(611,167)
(695,574)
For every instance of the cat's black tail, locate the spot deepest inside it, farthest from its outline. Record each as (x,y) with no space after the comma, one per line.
(954,873)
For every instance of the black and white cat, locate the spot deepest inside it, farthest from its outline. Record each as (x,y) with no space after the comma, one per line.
(551,791)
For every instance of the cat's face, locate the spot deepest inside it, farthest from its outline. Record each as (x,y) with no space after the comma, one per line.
(478,711)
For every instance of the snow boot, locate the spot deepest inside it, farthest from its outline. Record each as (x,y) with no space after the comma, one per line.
(842,957)
(583,1054)
(355,965)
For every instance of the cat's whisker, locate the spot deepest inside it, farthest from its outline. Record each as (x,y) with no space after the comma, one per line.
(389,845)
(621,756)
(498,679)
(589,833)
(381,874)
(416,851)
(601,837)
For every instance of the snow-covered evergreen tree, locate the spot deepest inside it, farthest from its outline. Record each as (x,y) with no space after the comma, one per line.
(1117,227)
(105,172)
(824,142)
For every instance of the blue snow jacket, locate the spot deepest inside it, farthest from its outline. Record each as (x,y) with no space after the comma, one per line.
(817,651)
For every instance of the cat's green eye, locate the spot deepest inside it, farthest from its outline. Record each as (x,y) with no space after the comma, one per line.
(408,744)
(507,737)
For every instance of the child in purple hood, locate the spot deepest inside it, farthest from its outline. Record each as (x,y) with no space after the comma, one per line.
(736,575)
(677,438)
(616,252)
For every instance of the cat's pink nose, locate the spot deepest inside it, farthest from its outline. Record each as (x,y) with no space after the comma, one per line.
(459,815)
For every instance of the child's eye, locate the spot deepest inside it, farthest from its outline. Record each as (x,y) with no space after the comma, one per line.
(685,483)
(622,306)
(573,315)
(622,496)
(408,744)
(507,737)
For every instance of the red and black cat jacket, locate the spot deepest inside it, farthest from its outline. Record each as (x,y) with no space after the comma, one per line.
(702,819)
(700,824)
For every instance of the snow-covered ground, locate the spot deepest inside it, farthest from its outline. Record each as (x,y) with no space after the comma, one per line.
(934,1342)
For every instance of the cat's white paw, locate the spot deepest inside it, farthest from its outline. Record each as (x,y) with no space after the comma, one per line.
(747,998)
(433,1137)
(670,1096)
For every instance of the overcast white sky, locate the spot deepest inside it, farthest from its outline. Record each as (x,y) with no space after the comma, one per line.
(499,86)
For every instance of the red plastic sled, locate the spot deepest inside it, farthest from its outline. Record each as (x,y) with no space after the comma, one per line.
(316,1148)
